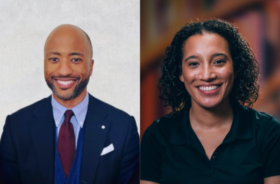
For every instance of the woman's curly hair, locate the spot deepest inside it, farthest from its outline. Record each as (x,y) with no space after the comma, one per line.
(245,88)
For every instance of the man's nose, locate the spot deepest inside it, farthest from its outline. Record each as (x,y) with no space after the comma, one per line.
(65,68)
(207,73)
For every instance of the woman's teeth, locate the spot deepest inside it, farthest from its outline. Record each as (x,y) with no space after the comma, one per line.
(208,88)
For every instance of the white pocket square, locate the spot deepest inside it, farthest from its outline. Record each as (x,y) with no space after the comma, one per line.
(107,149)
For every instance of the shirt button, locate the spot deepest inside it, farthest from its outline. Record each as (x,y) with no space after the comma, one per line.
(214,157)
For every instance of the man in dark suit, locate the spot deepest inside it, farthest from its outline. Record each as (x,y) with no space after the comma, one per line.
(70,137)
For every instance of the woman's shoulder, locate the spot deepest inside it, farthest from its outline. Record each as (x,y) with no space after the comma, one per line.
(262,118)
(162,124)
(263,123)
(161,128)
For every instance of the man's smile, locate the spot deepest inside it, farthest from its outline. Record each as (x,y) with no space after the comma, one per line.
(65,83)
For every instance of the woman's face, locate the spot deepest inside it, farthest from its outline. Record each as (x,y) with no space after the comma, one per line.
(207,69)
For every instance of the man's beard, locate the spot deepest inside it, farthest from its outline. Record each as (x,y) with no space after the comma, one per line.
(76,92)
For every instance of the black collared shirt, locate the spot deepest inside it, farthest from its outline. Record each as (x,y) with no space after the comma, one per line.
(171,152)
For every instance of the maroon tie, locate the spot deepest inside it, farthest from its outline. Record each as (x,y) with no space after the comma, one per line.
(66,143)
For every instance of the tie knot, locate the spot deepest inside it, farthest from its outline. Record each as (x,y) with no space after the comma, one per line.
(68,114)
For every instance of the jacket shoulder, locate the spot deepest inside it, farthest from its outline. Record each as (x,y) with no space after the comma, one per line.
(32,107)
(113,111)
(117,117)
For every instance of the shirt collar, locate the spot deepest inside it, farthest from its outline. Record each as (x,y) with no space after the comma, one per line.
(79,110)
(180,133)
(240,129)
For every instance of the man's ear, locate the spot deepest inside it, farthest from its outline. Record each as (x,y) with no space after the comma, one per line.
(91,66)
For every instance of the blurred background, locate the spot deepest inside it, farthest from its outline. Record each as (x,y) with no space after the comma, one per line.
(257,20)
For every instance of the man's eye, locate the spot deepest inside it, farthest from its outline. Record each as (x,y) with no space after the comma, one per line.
(53,59)
(75,60)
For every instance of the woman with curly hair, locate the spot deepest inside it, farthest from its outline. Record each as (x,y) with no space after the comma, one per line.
(209,80)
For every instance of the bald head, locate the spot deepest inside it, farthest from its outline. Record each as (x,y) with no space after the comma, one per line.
(68,64)
(69,33)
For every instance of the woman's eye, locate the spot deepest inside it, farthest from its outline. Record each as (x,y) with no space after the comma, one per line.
(193,64)
(219,62)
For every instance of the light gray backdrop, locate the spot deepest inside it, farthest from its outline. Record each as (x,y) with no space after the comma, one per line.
(114,28)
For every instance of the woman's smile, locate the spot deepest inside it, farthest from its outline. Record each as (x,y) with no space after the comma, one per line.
(209,89)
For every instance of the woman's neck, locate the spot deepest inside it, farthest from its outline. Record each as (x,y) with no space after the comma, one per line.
(211,118)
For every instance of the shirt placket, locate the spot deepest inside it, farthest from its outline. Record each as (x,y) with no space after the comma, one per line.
(213,162)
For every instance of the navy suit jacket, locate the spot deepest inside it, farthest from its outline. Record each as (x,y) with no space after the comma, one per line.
(27,146)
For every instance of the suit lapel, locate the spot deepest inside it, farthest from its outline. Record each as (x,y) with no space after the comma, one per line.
(42,130)
(94,139)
